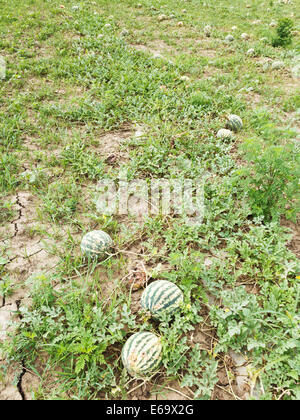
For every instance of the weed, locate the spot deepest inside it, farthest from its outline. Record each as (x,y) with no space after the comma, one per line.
(272,179)
(284,33)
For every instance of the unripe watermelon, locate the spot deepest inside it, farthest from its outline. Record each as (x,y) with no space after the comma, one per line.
(234,122)
(96,244)
(161,296)
(142,354)
(225,134)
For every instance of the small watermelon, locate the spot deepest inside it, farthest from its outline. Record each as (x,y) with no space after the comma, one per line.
(161,296)
(142,354)
(234,122)
(225,134)
(96,244)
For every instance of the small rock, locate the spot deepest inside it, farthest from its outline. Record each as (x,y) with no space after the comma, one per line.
(234,28)
(158,55)
(180,24)
(184,11)
(75,8)
(251,52)
(277,65)
(207,262)
(184,78)
(161,18)
(139,133)
(273,24)
(238,359)
(125,32)
(107,25)
(207,30)
(245,36)
(229,38)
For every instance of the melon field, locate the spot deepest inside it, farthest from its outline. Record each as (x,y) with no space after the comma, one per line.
(133,92)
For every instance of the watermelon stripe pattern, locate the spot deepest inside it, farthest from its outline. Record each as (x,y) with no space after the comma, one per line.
(234,122)
(161,296)
(95,244)
(142,354)
(225,134)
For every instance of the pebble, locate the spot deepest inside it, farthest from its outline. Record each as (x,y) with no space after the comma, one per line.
(245,36)
(157,55)
(161,18)
(277,65)
(139,133)
(229,38)
(238,359)
(207,30)
(180,24)
(250,52)
(185,78)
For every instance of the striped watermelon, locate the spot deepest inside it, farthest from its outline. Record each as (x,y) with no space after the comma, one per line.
(161,296)
(142,354)
(234,122)
(225,134)
(96,244)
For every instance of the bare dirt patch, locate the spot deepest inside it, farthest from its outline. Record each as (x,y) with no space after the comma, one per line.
(112,146)
(26,255)
(294,244)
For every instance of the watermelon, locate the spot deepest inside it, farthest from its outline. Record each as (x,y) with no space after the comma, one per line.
(161,296)
(142,354)
(96,244)
(225,134)
(234,122)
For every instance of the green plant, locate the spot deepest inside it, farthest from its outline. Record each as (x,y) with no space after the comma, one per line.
(6,211)
(284,33)
(66,326)
(271,179)
(70,80)
(61,200)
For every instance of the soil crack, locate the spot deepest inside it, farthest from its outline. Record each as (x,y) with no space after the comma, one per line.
(19,384)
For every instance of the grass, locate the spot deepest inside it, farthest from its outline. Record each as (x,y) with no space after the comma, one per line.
(73,75)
